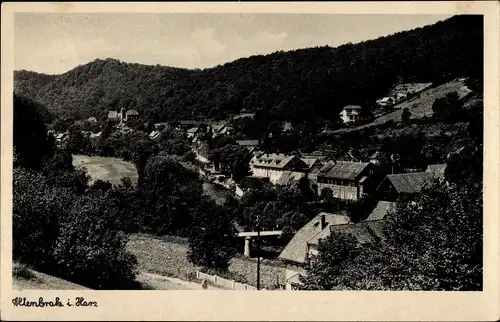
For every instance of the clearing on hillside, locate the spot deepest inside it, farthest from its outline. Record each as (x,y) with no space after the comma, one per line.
(419,106)
(106,169)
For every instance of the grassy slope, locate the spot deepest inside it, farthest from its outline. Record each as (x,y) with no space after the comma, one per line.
(419,107)
(30,279)
(169,258)
(107,169)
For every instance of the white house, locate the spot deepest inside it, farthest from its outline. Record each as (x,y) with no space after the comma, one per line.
(273,166)
(350,113)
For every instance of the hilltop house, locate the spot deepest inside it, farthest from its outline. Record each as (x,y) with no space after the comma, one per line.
(122,116)
(347,180)
(297,252)
(350,113)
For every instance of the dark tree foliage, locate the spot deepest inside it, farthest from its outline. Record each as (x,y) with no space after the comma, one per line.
(32,144)
(311,84)
(405,116)
(447,109)
(171,195)
(212,237)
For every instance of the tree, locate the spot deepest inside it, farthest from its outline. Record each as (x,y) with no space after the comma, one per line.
(75,139)
(171,195)
(406,115)
(361,208)
(212,237)
(90,249)
(333,254)
(447,109)
(31,142)
(142,150)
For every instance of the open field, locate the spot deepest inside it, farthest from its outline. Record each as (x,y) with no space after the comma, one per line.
(419,106)
(106,169)
(169,258)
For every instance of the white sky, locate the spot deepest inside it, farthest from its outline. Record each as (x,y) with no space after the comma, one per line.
(56,43)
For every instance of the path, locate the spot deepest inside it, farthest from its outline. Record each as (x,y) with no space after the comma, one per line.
(159,282)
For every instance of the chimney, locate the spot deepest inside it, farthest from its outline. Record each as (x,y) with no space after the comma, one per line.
(322,222)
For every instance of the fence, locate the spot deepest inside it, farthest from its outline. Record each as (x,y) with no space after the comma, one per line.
(225,283)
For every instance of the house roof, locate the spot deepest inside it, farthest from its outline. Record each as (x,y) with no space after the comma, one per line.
(437,170)
(112,114)
(381,210)
(153,135)
(364,232)
(192,130)
(288,177)
(248,142)
(309,162)
(132,112)
(278,161)
(410,182)
(95,135)
(296,249)
(342,169)
(295,279)
(252,115)
(92,119)
(352,107)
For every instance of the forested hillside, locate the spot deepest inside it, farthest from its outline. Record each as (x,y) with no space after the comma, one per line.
(310,84)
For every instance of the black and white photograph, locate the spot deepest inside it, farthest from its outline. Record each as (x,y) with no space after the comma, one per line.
(247,152)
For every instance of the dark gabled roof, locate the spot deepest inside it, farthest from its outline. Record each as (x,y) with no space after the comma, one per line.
(363,232)
(381,210)
(296,249)
(342,169)
(410,182)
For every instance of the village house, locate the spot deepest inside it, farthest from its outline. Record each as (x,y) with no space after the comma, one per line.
(346,180)
(287,128)
(122,116)
(297,252)
(274,166)
(303,247)
(131,115)
(192,132)
(350,113)
(395,185)
(154,135)
(385,101)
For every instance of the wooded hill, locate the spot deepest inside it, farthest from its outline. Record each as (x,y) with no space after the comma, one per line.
(310,84)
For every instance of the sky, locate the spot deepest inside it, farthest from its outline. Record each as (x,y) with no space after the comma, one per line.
(55,43)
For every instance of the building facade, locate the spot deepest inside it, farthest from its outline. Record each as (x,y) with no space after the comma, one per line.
(347,180)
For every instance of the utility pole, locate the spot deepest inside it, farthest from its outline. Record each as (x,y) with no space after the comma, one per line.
(258,253)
